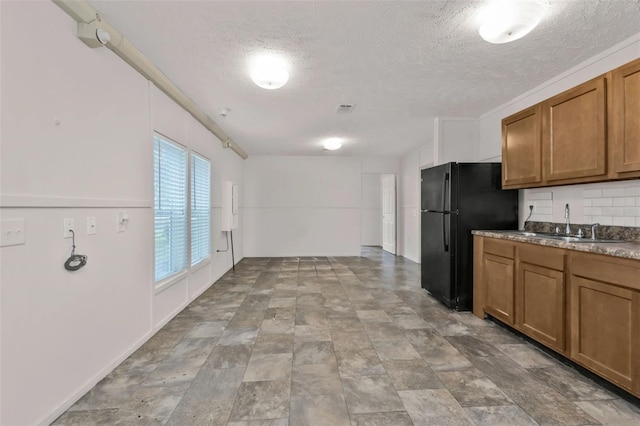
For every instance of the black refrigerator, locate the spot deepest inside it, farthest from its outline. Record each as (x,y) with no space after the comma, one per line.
(457,198)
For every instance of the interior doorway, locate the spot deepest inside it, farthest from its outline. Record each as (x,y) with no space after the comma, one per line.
(388,184)
(371,212)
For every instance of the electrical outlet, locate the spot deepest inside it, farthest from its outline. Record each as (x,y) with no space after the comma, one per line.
(12,233)
(69,224)
(91,226)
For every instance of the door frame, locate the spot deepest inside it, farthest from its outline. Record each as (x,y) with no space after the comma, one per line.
(393,249)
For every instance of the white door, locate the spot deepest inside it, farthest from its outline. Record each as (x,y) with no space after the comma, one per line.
(389,213)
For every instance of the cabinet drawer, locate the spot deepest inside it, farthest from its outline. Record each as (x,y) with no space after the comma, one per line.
(543,256)
(499,248)
(620,272)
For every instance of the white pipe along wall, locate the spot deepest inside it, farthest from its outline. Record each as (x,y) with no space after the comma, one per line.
(90,24)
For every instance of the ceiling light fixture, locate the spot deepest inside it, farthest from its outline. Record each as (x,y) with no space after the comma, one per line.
(503,21)
(269,72)
(332,144)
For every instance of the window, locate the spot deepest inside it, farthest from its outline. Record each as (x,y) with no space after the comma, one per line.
(200,209)
(170,207)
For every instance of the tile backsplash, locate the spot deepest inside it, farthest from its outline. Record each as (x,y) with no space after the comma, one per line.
(608,203)
(612,206)
(542,203)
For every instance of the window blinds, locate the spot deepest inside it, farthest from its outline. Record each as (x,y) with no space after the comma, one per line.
(200,209)
(170,208)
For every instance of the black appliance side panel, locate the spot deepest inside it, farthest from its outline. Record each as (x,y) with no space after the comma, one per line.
(438,274)
(435,189)
(482,204)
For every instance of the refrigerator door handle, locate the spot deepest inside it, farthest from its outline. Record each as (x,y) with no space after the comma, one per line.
(445,244)
(445,178)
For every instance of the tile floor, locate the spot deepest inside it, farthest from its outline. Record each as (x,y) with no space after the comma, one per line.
(339,341)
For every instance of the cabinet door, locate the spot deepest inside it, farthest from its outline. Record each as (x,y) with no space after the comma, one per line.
(521,148)
(605,334)
(498,287)
(574,137)
(625,120)
(540,293)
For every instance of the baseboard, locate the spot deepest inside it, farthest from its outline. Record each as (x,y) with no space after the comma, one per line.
(75,397)
(94,381)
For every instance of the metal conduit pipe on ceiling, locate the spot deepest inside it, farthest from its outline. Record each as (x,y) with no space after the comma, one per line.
(90,22)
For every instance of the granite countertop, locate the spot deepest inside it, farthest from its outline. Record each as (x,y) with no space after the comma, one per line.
(626,249)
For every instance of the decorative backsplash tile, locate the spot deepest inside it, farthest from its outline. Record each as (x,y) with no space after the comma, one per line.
(612,206)
(608,203)
(542,203)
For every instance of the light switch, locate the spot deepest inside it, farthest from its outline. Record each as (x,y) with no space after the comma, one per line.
(69,224)
(91,226)
(12,232)
(122,218)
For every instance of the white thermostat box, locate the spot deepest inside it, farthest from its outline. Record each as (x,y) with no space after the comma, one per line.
(229,218)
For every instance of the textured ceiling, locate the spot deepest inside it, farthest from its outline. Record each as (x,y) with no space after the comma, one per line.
(401,63)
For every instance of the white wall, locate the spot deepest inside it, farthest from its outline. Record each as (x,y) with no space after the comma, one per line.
(76,142)
(409,211)
(306,206)
(578,196)
(454,139)
(371,210)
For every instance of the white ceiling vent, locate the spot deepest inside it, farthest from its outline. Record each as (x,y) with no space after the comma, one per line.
(345,108)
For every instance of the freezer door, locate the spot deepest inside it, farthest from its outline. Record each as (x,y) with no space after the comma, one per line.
(438,256)
(435,188)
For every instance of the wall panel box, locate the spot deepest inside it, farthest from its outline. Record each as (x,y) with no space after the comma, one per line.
(229,216)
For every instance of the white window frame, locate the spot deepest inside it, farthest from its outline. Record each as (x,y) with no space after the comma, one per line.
(207,259)
(171,279)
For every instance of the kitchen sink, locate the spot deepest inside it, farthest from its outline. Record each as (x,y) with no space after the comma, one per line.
(532,234)
(562,237)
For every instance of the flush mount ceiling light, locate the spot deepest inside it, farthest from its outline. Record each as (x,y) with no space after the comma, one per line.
(332,144)
(503,21)
(269,72)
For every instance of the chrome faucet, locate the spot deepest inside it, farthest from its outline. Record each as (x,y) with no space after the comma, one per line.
(567,229)
(593,230)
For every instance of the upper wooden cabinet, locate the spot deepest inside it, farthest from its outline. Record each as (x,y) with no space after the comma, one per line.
(574,134)
(521,148)
(625,118)
(590,133)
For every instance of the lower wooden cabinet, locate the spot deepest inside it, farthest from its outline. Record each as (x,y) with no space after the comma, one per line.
(498,279)
(605,318)
(499,287)
(584,306)
(540,295)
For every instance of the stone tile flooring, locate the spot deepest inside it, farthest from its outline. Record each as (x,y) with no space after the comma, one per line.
(339,341)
